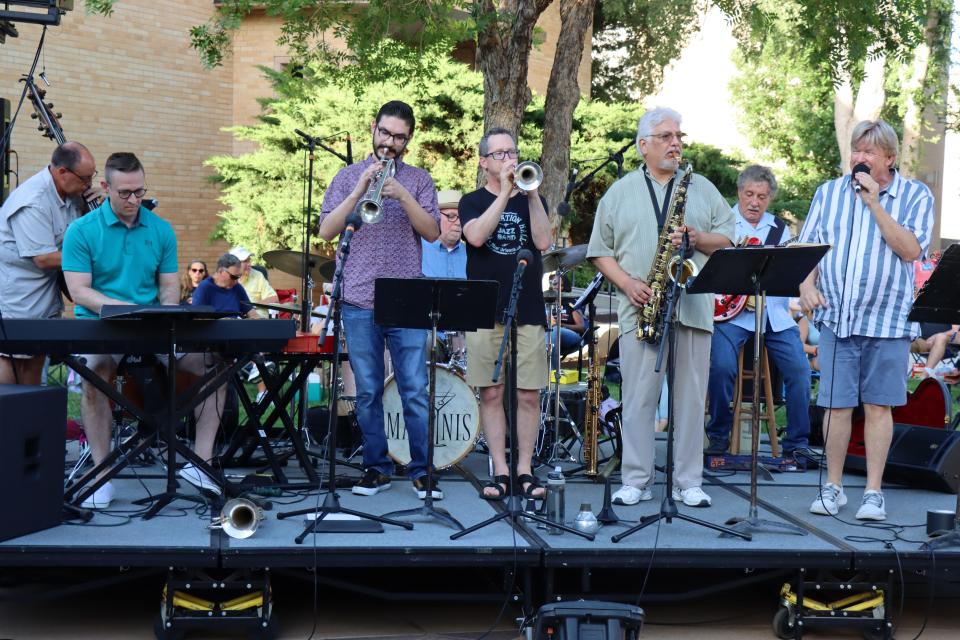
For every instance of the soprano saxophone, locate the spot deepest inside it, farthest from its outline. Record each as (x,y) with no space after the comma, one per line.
(666,264)
(591,427)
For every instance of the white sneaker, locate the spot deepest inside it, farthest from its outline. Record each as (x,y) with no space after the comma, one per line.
(628,495)
(99,499)
(872,506)
(199,479)
(261,395)
(692,497)
(829,501)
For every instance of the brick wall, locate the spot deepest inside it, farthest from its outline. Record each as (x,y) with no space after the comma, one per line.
(131,83)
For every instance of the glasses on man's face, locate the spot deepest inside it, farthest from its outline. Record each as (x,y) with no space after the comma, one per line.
(125,194)
(397,137)
(235,276)
(502,155)
(192,270)
(670,135)
(84,179)
(452,217)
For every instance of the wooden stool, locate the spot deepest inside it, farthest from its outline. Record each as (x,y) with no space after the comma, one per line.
(767,414)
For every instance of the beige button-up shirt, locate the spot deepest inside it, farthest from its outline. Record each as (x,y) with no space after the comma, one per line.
(625,228)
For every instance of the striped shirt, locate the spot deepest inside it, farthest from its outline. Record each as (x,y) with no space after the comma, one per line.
(868,287)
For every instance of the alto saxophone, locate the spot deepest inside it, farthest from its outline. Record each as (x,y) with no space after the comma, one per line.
(666,265)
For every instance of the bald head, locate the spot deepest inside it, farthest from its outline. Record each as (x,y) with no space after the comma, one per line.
(73,169)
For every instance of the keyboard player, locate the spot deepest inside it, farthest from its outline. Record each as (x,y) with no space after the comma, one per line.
(122,253)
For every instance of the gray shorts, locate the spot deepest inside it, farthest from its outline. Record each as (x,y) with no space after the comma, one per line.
(871,370)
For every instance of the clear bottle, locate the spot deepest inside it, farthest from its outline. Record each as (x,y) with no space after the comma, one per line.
(556,488)
(585,520)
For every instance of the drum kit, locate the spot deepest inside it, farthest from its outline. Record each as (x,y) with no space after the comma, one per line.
(457,406)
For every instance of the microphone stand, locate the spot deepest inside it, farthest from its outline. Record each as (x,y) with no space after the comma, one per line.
(514,510)
(331,503)
(668,508)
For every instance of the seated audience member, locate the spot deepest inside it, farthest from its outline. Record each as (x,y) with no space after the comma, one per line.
(189,279)
(221,292)
(938,347)
(253,281)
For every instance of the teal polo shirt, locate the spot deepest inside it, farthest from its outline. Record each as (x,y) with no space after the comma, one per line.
(124,262)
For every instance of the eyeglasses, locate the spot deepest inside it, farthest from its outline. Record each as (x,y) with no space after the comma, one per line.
(397,137)
(501,155)
(670,135)
(84,179)
(450,216)
(125,194)
(192,270)
(234,276)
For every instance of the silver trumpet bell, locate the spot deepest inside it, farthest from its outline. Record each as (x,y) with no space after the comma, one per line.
(528,175)
(239,518)
(370,207)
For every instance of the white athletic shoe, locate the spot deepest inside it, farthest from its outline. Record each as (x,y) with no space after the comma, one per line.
(829,501)
(628,495)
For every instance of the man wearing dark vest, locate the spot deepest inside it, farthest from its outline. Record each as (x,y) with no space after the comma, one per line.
(756,188)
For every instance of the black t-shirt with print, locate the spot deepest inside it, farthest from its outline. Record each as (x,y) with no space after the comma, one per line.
(497,258)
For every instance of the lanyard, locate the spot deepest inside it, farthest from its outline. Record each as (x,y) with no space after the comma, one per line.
(660,211)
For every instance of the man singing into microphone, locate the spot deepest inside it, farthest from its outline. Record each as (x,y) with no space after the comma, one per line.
(499,222)
(389,248)
(877,223)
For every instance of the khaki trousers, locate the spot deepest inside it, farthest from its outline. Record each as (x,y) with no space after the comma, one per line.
(641,393)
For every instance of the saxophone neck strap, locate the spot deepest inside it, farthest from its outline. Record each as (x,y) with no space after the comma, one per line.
(660,210)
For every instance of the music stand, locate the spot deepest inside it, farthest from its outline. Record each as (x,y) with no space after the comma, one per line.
(451,305)
(758,271)
(939,301)
(170,316)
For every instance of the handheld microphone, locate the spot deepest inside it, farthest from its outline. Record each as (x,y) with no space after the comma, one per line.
(524,256)
(860,167)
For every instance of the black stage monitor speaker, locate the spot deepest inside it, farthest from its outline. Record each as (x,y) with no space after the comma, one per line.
(920,457)
(32,431)
(588,620)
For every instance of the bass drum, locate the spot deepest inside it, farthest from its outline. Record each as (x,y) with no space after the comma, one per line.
(457,426)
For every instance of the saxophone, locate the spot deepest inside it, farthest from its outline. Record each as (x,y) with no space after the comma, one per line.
(591,426)
(665,264)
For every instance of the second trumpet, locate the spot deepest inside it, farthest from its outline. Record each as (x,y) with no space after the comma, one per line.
(371,206)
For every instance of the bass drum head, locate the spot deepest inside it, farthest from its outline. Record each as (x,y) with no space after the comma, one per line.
(457,425)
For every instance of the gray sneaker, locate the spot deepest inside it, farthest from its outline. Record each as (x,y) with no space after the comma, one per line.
(628,495)
(872,506)
(829,501)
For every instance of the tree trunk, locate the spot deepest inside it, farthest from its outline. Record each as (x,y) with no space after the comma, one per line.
(563,95)
(913,122)
(847,113)
(503,56)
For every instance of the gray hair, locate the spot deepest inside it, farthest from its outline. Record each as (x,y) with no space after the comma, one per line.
(495,131)
(226,261)
(652,119)
(758,173)
(68,155)
(878,133)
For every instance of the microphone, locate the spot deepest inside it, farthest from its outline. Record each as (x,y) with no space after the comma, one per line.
(860,167)
(349,150)
(563,209)
(524,256)
(354,222)
(303,135)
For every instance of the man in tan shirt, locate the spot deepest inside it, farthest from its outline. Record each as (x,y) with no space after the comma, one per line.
(622,246)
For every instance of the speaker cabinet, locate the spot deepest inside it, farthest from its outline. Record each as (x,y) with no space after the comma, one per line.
(920,457)
(32,441)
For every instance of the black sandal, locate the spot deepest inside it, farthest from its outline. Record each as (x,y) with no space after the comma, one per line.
(501,484)
(532,485)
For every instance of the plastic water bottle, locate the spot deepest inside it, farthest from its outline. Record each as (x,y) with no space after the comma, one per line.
(585,520)
(556,487)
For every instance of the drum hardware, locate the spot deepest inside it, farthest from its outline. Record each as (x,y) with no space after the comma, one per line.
(565,258)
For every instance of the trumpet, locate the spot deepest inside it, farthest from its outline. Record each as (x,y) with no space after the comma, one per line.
(370,207)
(239,518)
(527,175)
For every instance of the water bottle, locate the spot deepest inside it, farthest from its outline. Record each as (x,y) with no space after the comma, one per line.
(556,486)
(585,520)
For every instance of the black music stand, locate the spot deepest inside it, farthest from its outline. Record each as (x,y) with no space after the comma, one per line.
(668,339)
(451,305)
(514,510)
(939,301)
(758,271)
(170,316)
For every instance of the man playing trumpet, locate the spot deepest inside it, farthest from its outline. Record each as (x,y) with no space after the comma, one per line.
(389,248)
(499,220)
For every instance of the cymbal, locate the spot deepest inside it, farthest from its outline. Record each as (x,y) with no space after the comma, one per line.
(565,258)
(289,308)
(321,269)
